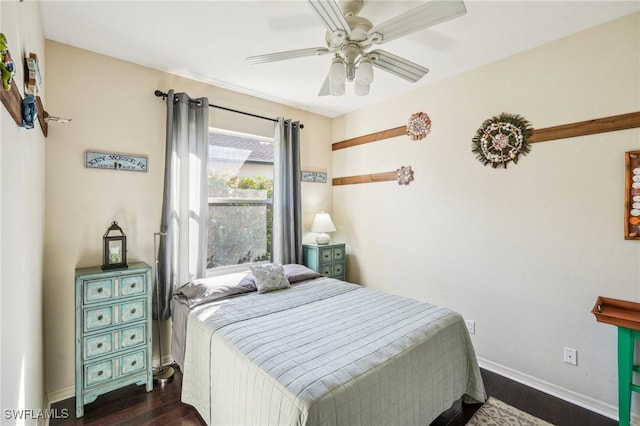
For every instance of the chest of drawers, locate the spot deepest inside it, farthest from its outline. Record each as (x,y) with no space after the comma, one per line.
(113,331)
(327,259)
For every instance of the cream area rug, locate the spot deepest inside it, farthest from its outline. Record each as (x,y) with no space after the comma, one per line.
(498,413)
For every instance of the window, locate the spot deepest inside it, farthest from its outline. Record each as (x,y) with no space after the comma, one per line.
(240,169)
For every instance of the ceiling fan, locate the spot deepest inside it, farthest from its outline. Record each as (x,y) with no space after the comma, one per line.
(350,39)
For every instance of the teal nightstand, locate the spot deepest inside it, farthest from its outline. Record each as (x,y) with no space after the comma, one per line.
(113,331)
(327,259)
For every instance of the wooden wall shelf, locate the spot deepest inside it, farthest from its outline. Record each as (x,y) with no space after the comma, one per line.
(12,100)
(617,312)
(41,114)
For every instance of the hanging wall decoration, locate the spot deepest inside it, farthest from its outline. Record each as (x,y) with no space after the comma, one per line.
(502,139)
(106,160)
(632,196)
(419,126)
(405,175)
(7,66)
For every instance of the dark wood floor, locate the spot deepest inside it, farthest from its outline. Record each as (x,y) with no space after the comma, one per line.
(133,406)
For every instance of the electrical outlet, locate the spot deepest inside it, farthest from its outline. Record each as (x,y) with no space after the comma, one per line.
(570,356)
(471,326)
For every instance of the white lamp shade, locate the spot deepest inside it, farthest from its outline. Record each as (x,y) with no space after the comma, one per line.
(337,89)
(364,73)
(322,224)
(337,72)
(361,89)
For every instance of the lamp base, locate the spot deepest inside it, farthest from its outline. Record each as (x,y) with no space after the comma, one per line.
(164,374)
(323,239)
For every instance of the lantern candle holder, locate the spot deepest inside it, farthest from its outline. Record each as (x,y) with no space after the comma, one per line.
(114,251)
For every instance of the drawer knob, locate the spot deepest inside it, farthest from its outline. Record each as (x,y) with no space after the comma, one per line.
(99,345)
(133,285)
(100,290)
(133,311)
(133,363)
(133,336)
(100,317)
(100,373)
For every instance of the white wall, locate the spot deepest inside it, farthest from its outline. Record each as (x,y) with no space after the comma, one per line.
(22,170)
(113,109)
(524,251)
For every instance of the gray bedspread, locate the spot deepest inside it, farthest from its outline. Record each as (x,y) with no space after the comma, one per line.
(326,352)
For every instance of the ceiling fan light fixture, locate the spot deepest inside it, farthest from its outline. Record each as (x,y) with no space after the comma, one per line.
(337,89)
(349,38)
(361,89)
(364,73)
(337,72)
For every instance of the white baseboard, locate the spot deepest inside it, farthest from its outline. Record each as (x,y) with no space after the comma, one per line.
(61,395)
(575,398)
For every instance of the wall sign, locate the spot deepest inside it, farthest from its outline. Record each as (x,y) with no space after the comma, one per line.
(105,160)
(314,177)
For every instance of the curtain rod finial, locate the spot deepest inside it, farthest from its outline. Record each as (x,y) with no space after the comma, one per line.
(160,93)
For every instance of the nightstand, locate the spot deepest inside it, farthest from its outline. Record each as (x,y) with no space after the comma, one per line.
(327,259)
(113,331)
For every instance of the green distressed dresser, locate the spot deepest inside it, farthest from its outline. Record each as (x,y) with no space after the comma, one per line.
(113,331)
(326,259)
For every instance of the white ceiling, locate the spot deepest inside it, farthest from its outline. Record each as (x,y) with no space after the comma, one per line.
(210,40)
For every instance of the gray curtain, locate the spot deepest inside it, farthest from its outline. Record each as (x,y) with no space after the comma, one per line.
(182,251)
(287,214)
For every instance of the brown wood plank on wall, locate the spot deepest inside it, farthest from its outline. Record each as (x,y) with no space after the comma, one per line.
(582,128)
(589,127)
(372,137)
(375,177)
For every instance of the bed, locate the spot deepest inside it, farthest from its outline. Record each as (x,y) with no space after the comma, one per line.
(319,351)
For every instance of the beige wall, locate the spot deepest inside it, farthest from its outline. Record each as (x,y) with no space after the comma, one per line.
(524,251)
(22,209)
(113,109)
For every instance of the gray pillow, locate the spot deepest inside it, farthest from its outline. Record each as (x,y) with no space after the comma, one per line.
(204,290)
(294,273)
(269,277)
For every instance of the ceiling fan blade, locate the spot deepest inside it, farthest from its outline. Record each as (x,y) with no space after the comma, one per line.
(331,15)
(419,18)
(289,54)
(397,66)
(326,87)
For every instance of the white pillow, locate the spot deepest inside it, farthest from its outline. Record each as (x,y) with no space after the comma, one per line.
(270,277)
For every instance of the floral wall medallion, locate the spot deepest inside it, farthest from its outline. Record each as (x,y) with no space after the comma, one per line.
(405,175)
(502,139)
(419,126)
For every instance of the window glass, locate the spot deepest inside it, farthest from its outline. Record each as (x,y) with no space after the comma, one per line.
(240,169)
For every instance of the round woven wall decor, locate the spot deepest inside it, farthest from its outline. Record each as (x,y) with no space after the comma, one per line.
(419,126)
(502,139)
(405,175)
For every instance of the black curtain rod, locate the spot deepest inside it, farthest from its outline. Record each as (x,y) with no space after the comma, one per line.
(164,96)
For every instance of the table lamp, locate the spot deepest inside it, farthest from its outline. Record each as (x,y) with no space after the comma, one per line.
(322,224)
